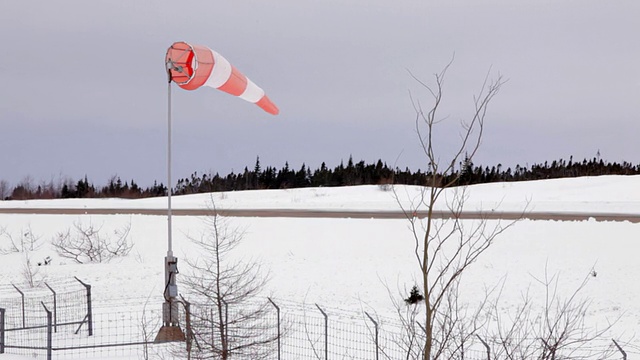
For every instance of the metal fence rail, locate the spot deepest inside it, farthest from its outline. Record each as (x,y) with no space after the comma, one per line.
(295,331)
(121,334)
(23,307)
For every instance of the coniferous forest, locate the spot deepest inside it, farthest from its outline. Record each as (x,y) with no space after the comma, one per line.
(352,173)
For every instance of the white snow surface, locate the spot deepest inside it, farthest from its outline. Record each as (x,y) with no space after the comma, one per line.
(604,194)
(344,264)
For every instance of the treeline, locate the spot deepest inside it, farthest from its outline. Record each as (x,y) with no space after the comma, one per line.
(359,173)
(472,174)
(287,178)
(67,189)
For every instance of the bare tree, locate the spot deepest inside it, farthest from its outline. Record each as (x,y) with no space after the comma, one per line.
(24,241)
(88,244)
(5,189)
(30,273)
(48,190)
(553,328)
(411,334)
(24,190)
(148,325)
(445,245)
(230,321)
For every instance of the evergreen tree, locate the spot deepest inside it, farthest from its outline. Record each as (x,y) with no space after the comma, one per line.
(256,174)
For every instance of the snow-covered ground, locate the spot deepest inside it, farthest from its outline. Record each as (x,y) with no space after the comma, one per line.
(604,194)
(344,263)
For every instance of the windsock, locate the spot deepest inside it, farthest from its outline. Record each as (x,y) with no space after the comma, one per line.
(192,66)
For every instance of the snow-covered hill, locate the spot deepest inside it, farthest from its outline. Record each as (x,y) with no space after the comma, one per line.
(344,264)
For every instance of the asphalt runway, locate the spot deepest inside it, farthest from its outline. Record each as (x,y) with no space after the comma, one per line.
(355,214)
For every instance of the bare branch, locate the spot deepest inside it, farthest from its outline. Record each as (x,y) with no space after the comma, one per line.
(25,241)
(446,248)
(231,324)
(86,244)
(558,331)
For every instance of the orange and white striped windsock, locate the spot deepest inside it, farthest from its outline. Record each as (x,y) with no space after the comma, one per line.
(192,66)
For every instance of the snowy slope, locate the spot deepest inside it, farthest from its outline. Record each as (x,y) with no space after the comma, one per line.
(344,264)
(608,194)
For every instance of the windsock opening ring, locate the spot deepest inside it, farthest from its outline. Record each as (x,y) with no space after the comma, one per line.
(192,66)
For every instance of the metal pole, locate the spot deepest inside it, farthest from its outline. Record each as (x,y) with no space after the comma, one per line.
(49,332)
(187,315)
(375,324)
(55,309)
(326,332)
(170,330)
(24,323)
(624,354)
(2,330)
(169,186)
(170,307)
(226,325)
(213,330)
(89,312)
(170,310)
(278,312)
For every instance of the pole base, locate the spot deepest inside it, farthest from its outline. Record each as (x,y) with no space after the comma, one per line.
(169,333)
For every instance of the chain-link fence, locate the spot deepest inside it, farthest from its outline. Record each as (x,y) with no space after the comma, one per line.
(35,323)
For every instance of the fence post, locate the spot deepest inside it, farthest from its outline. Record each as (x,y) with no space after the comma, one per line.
(213,329)
(326,333)
(624,354)
(49,332)
(187,319)
(2,330)
(89,312)
(55,309)
(278,313)
(375,325)
(486,346)
(24,323)
(225,345)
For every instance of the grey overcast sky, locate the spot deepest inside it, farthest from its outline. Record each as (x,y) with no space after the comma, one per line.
(84,87)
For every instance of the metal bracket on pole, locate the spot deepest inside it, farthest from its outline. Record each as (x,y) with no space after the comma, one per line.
(170,306)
